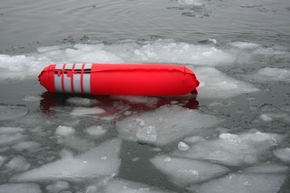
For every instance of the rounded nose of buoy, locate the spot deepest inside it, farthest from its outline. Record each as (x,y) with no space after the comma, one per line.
(46,78)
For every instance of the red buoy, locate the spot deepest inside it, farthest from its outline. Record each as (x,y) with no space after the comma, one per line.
(119,79)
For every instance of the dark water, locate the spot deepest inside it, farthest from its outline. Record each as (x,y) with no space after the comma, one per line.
(232,137)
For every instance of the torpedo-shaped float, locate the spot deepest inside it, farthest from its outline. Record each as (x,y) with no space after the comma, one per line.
(119,79)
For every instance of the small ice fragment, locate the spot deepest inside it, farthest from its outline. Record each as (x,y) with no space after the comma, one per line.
(245,45)
(159,128)
(272,74)
(57,186)
(10,112)
(266,118)
(283,154)
(31,98)
(18,163)
(183,146)
(75,169)
(242,183)
(20,188)
(64,131)
(26,145)
(125,186)
(96,131)
(184,172)
(82,111)
(82,101)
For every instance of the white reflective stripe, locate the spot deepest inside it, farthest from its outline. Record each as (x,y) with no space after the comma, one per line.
(59,66)
(57,83)
(78,66)
(87,83)
(88,66)
(77,83)
(68,66)
(67,83)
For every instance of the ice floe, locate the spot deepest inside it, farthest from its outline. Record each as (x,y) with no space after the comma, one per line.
(283,154)
(233,149)
(215,84)
(11,112)
(242,183)
(18,163)
(183,172)
(125,186)
(100,161)
(272,74)
(159,127)
(20,188)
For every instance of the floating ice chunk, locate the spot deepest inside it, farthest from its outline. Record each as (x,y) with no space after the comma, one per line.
(11,112)
(82,101)
(57,186)
(164,125)
(64,131)
(150,101)
(179,52)
(31,98)
(283,154)
(233,149)
(215,84)
(184,172)
(91,53)
(125,186)
(183,146)
(9,139)
(96,131)
(20,188)
(265,117)
(30,146)
(272,74)
(10,130)
(18,163)
(82,167)
(245,45)
(81,111)
(243,183)
(192,2)
(268,169)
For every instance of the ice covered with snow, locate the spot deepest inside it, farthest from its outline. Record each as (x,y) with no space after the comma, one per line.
(83,111)
(80,101)
(10,112)
(29,146)
(266,118)
(88,165)
(243,183)
(182,146)
(283,154)
(96,131)
(20,188)
(215,84)
(18,163)
(11,135)
(57,186)
(183,172)
(272,74)
(125,186)
(159,127)
(64,131)
(233,149)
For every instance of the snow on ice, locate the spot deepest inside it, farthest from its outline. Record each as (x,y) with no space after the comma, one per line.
(159,127)
(232,149)
(184,172)
(100,161)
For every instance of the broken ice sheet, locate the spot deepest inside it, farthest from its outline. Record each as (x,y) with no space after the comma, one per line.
(215,84)
(257,179)
(164,125)
(11,112)
(125,186)
(100,161)
(183,172)
(233,149)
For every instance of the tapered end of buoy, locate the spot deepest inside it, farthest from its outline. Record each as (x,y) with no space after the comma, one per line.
(46,78)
